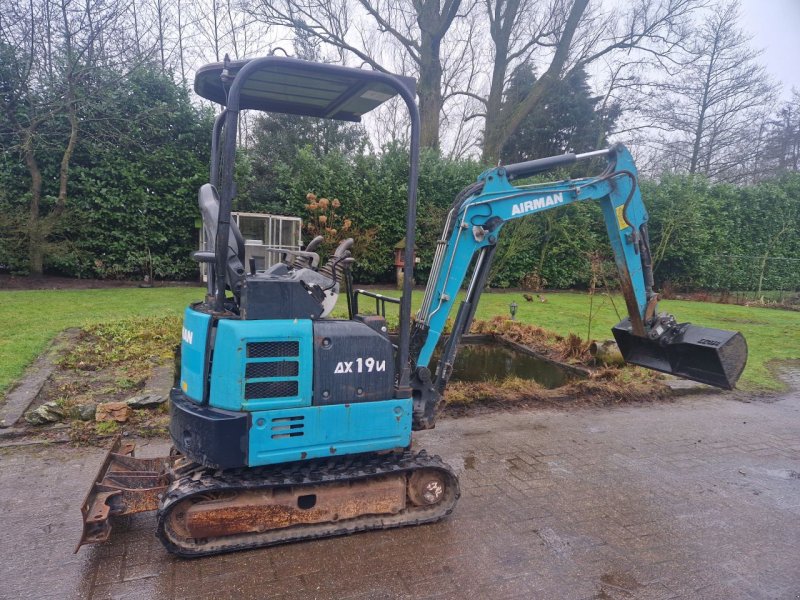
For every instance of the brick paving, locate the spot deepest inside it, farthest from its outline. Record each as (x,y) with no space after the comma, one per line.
(695,499)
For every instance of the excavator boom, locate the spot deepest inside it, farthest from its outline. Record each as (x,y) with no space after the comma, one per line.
(471,234)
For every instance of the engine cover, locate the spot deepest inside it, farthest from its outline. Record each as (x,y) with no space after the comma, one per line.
(352,363)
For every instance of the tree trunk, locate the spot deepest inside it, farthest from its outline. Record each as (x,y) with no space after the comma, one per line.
(180,44)
(71,106)
(494,104)
(498,136)
(35,237)
(698,137)
(767,253)
(502,20)
(72,114)
(704,105)
(160,17)
(429,86)
(548,233)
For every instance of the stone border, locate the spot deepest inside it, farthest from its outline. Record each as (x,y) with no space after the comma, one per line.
(25,392)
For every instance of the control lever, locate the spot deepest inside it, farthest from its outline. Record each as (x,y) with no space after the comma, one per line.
(301,262)
(342,252)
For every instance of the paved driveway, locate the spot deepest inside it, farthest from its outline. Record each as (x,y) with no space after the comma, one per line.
(694,499)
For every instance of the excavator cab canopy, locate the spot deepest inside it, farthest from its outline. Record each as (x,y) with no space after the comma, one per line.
(292,86)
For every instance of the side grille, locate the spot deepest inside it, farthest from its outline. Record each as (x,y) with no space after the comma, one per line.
(270,389)
(272,349)
(285,427)
(271,371)
(283,368)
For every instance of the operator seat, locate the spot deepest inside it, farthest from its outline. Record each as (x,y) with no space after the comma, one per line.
(208,200)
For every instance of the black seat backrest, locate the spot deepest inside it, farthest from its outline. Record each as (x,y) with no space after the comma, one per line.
(208,200)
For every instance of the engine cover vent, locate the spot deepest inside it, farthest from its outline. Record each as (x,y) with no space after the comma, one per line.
(270,389)
(283,368)
(285,427)
(272,349)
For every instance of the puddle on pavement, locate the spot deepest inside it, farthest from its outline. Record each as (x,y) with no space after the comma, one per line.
(483,362)
(621,581)
(778,473)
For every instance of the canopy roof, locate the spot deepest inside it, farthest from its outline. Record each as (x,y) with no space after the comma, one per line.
(299,87)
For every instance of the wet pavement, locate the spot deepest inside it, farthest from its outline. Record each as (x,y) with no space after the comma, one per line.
(694,499)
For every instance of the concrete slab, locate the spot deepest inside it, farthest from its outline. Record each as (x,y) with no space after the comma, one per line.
(160,381)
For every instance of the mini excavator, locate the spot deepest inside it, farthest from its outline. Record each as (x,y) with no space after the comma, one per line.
(290,425)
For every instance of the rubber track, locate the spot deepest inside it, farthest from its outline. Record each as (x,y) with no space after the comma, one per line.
(203,481)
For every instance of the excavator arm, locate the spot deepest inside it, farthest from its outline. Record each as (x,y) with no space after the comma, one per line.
(470,238)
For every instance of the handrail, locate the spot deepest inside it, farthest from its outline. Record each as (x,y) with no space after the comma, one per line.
(380,301)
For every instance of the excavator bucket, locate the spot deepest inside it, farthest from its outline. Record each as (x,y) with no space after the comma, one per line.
(713,356)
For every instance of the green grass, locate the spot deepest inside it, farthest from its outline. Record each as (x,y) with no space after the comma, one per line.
(771,334)
(30,319)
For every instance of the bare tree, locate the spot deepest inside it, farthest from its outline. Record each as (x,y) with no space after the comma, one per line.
(417,26)
(712,111)
(161,9)
(180,15)
(517,28)
(783,136)
(577,37)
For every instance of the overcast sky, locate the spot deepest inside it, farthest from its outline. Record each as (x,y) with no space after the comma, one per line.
(775,25)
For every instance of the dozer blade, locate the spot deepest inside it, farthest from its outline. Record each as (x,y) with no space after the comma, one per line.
(713,356)
(124,485)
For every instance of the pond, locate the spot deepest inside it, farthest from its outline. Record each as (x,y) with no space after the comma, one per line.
(482,362)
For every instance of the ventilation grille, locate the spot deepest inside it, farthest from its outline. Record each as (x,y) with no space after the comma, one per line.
(287,427)
(272,349)
(283,368)
(271,370)
(270,389)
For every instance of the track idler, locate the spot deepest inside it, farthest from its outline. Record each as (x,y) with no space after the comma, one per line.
(713,356)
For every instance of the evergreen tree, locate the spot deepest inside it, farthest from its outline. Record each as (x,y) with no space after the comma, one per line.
(279,137)
(567,118)
(134,177)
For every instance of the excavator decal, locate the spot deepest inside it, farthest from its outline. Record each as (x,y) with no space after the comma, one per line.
(537,204)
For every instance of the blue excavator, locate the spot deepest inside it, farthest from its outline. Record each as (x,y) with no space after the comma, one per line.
(288,424)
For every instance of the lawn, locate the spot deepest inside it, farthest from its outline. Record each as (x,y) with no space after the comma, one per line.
(771,334)
(30,319)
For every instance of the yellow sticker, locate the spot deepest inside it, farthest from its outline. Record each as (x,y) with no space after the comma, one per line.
(184,385)
(621,217)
